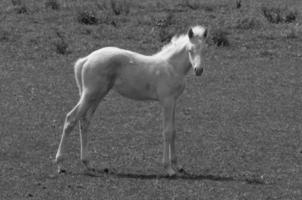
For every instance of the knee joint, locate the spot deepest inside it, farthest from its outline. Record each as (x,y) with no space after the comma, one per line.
(169,134)
(69,122)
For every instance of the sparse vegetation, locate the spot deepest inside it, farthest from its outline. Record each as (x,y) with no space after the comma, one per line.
(52,4)
(238,4)
(279,15)
(21,9)
(164,20)
(219,38)
(120,7)
(87,16)
(4,35)
(192,4)
(61,44)
(248,23)
(196,4)
(165,35)
(292,32)
(16,2)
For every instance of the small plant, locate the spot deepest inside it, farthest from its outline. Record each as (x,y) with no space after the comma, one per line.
(273,15)
(196,4)
(219,38)
(60,44)
(105,17)
(165,35)
(87,16)
(291,16)
(120,7)
(238,3)
(16,2)
(192,4)
(52,4)
(292,32)
(248,23)
(4,35)
(279,15)
(19,7)
(164,20)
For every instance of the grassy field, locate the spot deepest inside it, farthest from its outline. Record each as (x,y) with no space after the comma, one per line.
(238,126)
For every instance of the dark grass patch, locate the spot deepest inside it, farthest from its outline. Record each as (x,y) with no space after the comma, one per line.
(164,24)
(61,45)
(120,7)
(192,4)
(218,37)
(164,20)
(278,15)
(4,35)
(292,32)
(16,2)
(248,23)
(198,5)
(238,3)
(165,35)
(87,16)
(21,9)
(52,4)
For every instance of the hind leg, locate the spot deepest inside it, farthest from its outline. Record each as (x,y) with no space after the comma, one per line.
(84,124)
(70,121)
(92,97)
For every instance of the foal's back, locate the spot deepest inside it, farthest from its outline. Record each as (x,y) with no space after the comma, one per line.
(131,74)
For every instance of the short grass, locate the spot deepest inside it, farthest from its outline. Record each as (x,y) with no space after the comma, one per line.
(238,126)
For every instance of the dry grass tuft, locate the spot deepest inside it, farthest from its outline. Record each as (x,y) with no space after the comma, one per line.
(248,23)
(61,45)
(278,15)
(52,4)
(219,38)
(87,16)
(120,7)
(292,32)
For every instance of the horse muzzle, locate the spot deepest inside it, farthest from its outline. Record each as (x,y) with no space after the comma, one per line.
(198,71)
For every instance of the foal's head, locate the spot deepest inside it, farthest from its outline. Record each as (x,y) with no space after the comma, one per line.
(197,36)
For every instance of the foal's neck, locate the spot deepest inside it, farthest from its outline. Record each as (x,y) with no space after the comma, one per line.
(180,61)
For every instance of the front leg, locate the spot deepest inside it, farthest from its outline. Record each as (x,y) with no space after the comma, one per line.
(169,157)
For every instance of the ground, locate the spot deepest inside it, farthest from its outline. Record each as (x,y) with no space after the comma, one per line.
(238,125)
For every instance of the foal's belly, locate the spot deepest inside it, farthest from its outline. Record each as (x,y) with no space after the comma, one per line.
(137,88)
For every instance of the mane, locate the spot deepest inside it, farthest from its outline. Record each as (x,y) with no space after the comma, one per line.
(177,42)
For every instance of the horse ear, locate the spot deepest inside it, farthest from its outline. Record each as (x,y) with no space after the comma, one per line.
(190,33)
(205,34)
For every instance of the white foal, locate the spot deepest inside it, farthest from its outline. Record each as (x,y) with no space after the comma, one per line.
(157,77)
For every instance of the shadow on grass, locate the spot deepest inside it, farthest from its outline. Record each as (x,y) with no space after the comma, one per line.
(180,176)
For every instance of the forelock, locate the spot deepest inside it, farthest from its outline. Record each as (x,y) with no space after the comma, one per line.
(198,30)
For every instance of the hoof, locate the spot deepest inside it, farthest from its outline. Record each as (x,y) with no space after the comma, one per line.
(61,171)
(86,163)
(171,172)
(90,172)
(181,170)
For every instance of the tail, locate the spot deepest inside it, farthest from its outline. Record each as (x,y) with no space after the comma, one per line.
(78,72)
